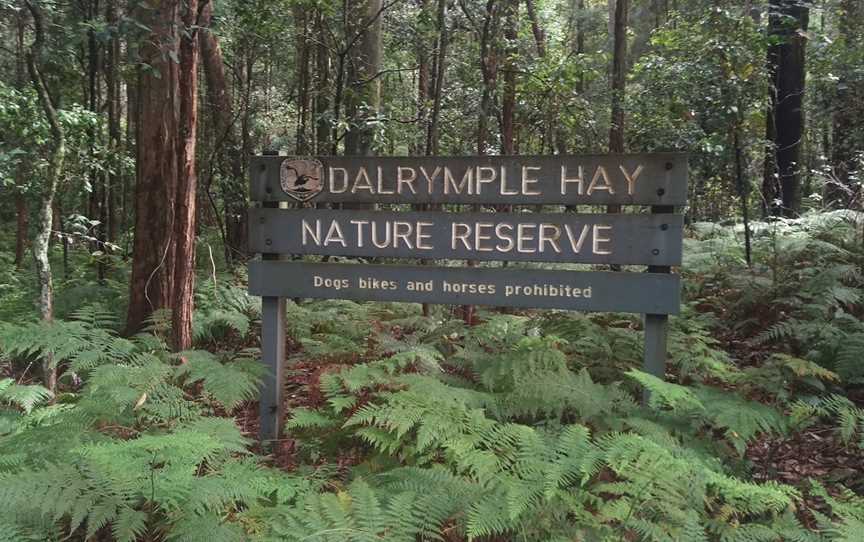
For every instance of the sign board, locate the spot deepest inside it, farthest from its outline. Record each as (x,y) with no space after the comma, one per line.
(563,237)
(502,183)
(626,179)
(590,291)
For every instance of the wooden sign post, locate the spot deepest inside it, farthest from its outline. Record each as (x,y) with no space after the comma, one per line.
(658,181)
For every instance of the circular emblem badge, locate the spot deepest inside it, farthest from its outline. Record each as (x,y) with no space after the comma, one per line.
(302,179)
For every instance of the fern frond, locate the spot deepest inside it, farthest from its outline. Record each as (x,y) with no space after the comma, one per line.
(24,397)
(228,383)
(666,395)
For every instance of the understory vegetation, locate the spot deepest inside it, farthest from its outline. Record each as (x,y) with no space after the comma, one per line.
(527,426)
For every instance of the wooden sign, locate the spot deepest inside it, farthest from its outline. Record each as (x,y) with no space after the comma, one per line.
(504,182)
(574,238)
(626,179)
(595,291)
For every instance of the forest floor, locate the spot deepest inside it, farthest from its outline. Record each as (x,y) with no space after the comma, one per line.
(756,433)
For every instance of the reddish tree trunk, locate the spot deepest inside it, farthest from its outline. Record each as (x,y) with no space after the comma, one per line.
(184,228)
(536,29)
(156,177)
(227,148)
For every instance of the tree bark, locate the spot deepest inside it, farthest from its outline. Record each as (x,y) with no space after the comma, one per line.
(301,77)
(618,76)
(489,50)
(157,166)
(580,39)
(322,84)
(96,178)
(508,101)
(536,29)
(21,212)
(488,71)
(848,117)
(363,99)
(432,139)
(115,136)
(183,292)
(619,81)
(56,157)
(227,150)
(424,89)
(788,20)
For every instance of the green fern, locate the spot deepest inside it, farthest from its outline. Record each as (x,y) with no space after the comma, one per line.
(24,397)
(228,383)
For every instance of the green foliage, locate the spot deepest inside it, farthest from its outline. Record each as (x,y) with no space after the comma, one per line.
(522,427)
(131,452)
(227,383)
(223,308)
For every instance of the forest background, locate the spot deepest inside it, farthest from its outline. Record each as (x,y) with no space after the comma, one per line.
(129,346)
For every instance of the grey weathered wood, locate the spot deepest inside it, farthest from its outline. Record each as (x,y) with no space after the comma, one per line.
(655,344)
(635,238)
(663,180)
(610,291)
(656,325)
(271,407)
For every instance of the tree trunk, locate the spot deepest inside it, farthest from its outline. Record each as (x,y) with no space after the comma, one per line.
(508,101)
(21,225)
(115,136)
(848,117)
(56,157)
(788,21)
(423,78)
(133,113)
(363,97)
(21,211)
(227,149)
(580,40)
(301,77)
(156,177)
(536,29)
(743,188)
(619,80)
(488,71)
(432,142)
(183,292)
(322,87)
(618,76)
(96,178)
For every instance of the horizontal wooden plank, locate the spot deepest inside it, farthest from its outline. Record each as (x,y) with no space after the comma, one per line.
(589,291)
(639,239)
(601,179)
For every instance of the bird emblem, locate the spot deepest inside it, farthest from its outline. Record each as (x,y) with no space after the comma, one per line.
(301,178)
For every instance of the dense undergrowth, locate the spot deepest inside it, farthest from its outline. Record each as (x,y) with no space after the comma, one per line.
(403,427)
